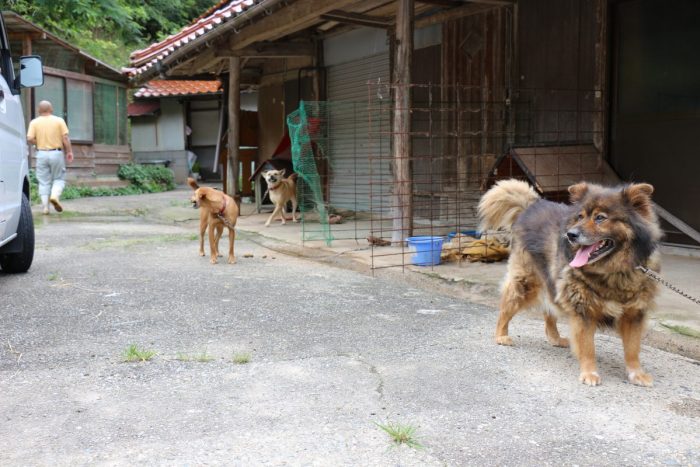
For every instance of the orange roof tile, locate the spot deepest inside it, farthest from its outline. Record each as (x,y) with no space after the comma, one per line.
(226,10)
(168,88)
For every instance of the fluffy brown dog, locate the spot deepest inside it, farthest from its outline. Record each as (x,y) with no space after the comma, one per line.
(583,258)
(216,210)
(282,190)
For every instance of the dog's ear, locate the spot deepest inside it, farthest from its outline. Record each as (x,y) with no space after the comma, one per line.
(192,183)
(577,192)
(282,172)
(638,195)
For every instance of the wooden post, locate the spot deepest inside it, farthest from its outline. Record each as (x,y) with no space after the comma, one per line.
(599,84)
(234,125)
(402,199)
(27,93)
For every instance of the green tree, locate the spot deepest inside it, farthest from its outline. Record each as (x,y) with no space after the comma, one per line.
(109,29)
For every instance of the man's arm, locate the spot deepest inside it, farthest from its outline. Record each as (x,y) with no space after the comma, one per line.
(68,149)
(31,134)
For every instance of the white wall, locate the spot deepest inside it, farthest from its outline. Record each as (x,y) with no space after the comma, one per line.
(165,132)
(171,125)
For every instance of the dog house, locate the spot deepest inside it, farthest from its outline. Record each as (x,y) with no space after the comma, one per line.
(552,169)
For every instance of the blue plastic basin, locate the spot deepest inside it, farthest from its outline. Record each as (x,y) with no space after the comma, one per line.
(427,250)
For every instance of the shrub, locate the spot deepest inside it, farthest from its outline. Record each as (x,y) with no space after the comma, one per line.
(149,178)
(142,179)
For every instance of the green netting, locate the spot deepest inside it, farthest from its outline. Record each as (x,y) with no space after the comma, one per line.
(105,113)
(307,130)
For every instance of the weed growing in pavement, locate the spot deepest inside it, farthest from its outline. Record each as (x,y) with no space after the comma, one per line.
(682,330)
(53,276)
(401,434)
(241,358)
(134,354)
(204,357)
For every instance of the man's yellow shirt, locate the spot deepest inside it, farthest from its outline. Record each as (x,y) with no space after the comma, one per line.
(48,131)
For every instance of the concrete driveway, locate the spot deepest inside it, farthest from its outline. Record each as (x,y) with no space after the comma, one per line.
(331,354)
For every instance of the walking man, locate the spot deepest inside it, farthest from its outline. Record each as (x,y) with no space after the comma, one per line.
(50,135)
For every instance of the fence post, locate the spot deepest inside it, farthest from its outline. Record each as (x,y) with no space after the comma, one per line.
(402,200)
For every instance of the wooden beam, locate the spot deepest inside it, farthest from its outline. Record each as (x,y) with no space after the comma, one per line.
(234,124)
(445,3)
(402,199)
(677,223)
(358,19)
(271,50)
(295,17)
(452,14)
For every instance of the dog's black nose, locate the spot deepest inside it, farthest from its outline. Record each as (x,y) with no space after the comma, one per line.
(572,235)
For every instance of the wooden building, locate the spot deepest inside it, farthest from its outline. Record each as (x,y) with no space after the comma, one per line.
(467,82)
(89,94)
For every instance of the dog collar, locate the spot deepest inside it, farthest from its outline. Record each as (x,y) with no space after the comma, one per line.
(221,213)
(274,187)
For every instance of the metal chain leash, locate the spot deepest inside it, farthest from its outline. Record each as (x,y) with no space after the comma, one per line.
(658,279)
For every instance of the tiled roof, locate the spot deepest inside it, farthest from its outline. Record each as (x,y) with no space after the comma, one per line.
(142,60)
(168,88)
(138,109)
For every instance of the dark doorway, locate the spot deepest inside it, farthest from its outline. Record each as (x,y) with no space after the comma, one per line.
(655,113)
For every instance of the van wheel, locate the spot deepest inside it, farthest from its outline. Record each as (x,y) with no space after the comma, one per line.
(22,260)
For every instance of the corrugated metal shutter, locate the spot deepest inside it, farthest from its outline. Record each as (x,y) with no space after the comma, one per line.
(358,136)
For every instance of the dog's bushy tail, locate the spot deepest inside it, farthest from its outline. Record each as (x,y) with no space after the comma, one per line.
(500,207)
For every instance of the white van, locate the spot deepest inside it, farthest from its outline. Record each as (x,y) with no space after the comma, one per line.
(16,224)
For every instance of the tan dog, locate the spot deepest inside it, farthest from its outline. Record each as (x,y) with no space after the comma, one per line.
(216,211)
(282,190)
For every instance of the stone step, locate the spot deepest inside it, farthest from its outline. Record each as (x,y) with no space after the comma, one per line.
(109,182)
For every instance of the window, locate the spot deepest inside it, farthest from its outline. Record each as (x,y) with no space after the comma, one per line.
(79,110)
(110,114)
(72,101)
(52,91)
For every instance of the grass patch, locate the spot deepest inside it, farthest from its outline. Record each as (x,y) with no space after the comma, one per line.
(133,242)
(134,354)
(682,330)
(193,237)
(241,358)
(53,276)
(401,434)
(203,357)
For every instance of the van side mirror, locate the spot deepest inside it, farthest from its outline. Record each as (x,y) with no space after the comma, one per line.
(31,72)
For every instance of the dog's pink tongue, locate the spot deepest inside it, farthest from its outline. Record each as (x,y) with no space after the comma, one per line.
(582,255)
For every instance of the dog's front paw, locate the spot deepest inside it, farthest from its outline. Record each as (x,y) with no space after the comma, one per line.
(504,340)
(213,260)
(640,378)
(201,253)
(231,260)
(561,342)
(590,378)
(295,220)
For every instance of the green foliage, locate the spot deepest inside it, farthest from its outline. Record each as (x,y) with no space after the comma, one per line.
(148,178)
(110,29)
(33,187)
(142,178)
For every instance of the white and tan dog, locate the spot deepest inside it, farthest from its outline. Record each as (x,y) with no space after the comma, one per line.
(281,190)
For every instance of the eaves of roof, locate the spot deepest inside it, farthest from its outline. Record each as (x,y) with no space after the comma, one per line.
(148,62)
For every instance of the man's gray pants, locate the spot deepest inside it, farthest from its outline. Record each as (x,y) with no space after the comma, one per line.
(50,172)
